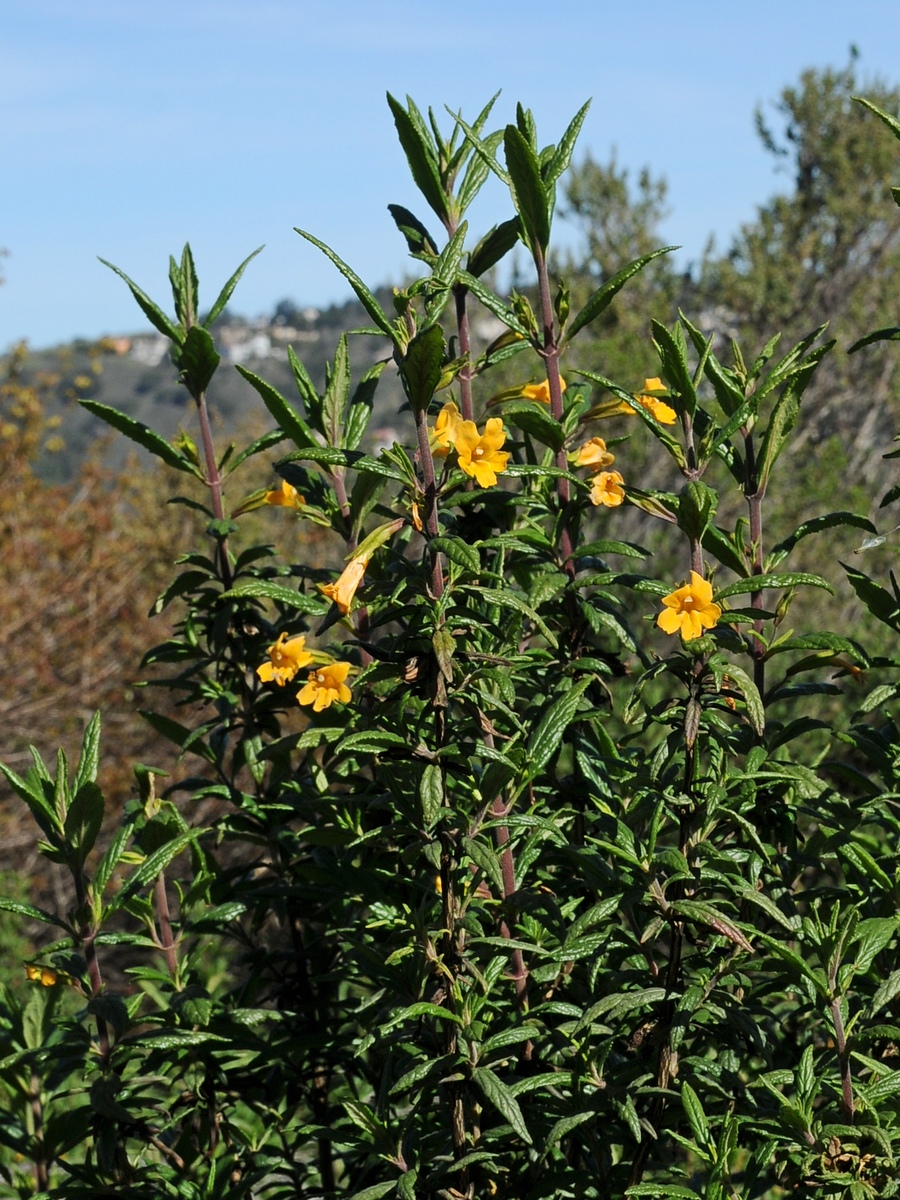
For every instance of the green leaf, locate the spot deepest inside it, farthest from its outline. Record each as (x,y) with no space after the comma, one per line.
(494,304)
(693,1110)
(360,408)
(878,601)
(605,294)
(268,589)
(83,819)
(365,297)
(562,155)
(138,432)
(504,598)
(702,913)
(446,269)
(497,1092)
(785,413)
(420,155)
(816,525)
(376,1191)
(225,294)
(418,240)
(151,311)
(756,583)
(373,741)
(546,738)
(431,795)
(152,866)
(527,189)
(38,803)
(197,360)
(458,552)
(673,352)
(892,123)
(748,689)
(89,758)
(889,334)
(289,420)
(31,911)
(536,421)
(337,393)
(421,366)
(495,244)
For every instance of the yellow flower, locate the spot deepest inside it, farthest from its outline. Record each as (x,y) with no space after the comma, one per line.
(287,657)
(479,453)
(541,391)
(594,454)
(690,609)
(286,496)
(607,489)
(416,517)
(45,976)
(343,591)
(665,414)
(444,431)
(325,685)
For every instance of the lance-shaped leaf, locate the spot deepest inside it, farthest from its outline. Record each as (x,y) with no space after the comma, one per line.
(890,334)
(197,360)
(420,154)
(365,297)
(225,295)
(816,525)
(878,600)
(151,311)
(604,295)
(756,583)
(337,393)
(138,432)
(420,367)
(546,738)
(892,123)
(673,352)
(446,269)
(419,241)
(498,1094)
(562,155)
(784,414)
(496,243)
(527,188)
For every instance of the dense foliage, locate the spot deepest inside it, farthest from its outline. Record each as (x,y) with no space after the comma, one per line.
(506,867)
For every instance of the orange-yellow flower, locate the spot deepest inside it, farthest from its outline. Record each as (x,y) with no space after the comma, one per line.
(480,454)
(287,657)
(607,488)
(286,496)
(541,391)
(664,413)
(325,685)
(594,454)
(343,591)
(444,431)
(690,609)
(45,976)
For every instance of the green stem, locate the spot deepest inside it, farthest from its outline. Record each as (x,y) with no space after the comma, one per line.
(214,483)
(432,528)
(754,496)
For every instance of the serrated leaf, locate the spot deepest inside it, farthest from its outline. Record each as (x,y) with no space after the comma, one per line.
(140,433)
(606,293)
(225,295)
(267,589)
(756,583)
(289,420)
(365,297)
(527,189)
(496,1091)
(546,738)
(420,155)
(151,311)
(197,360)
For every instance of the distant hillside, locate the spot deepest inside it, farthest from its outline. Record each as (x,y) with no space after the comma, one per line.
(134,373)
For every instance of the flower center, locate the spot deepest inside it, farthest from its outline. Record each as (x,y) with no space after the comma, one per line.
(477,453)
(320,678)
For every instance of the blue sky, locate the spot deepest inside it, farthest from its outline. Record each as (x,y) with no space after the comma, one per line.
(130,127)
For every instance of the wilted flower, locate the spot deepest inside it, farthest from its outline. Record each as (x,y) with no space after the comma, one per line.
(286,496)
(607,488)
(444,431)
(541,391)
(325,685)
(287,657)
(664,413)
(479,453)
(690,609)
(594,454)
(343,591)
